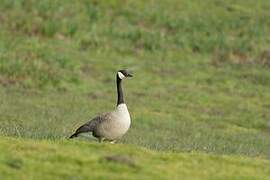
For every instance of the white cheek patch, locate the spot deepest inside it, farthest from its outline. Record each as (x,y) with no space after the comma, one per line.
(121,75)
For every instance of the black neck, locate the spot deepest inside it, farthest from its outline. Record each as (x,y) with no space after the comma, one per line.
(120,96)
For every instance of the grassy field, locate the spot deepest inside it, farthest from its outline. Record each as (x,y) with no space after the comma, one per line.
(81,160)
(200,92)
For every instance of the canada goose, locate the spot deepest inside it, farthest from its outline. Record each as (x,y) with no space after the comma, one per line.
(111,125)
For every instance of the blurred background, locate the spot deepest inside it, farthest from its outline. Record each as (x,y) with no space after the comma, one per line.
(201,71)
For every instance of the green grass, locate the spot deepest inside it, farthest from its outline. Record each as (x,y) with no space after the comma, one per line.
(47,43)
(53,115)
(199,81)
(28,159)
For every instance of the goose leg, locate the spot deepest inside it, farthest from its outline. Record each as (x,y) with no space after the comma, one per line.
(101,139)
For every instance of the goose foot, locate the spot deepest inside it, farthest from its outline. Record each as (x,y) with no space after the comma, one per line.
(113,141)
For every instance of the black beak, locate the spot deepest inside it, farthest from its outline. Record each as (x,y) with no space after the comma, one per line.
(129,75)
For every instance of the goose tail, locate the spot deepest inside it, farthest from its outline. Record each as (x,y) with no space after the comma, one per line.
(83,129)
(73,136)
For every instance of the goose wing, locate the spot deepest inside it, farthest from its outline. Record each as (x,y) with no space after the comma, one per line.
(91,125)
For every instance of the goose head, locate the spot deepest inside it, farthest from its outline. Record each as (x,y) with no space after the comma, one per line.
(122,74)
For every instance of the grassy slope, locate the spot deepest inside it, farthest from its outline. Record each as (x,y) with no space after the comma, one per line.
(197,84)
(28,159)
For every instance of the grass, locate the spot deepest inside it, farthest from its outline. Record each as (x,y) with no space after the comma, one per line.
(29,159)
(199,83)
(221,119)
(48,42)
